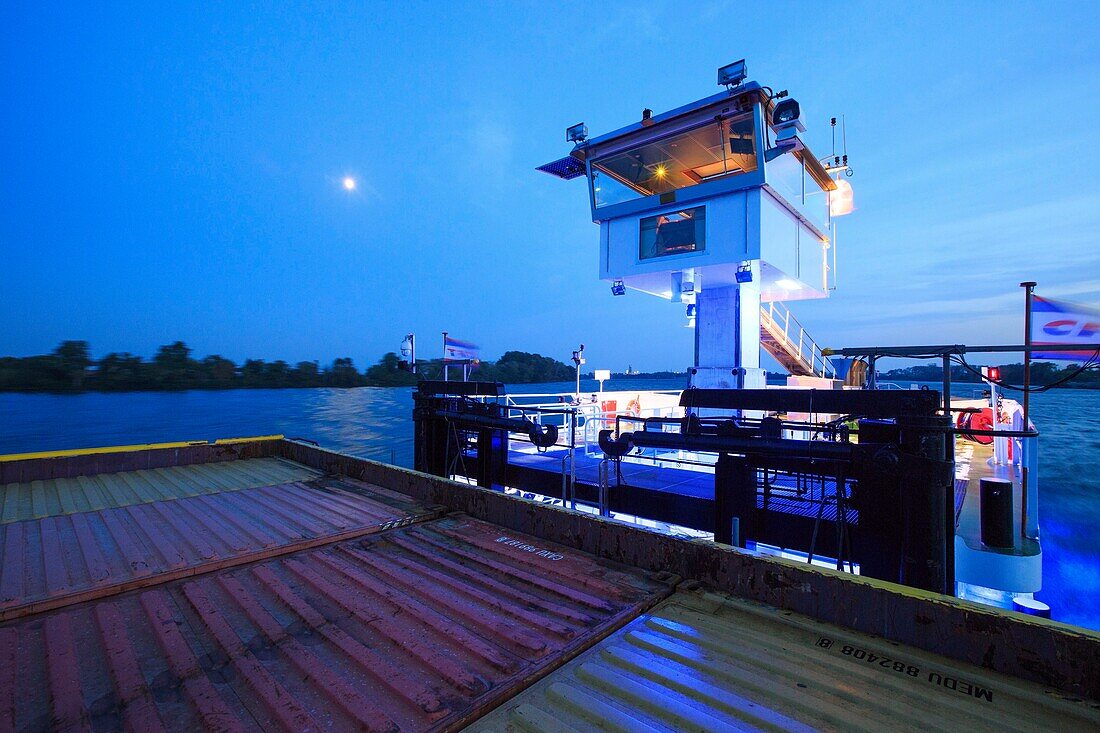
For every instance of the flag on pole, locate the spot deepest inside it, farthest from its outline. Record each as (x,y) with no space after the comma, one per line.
(456,351)
(1058,322)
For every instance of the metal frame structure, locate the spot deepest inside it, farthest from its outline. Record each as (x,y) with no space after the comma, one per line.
(944,352)
(891,492)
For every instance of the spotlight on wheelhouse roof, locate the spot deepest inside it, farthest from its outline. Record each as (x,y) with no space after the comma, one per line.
(787,114)
(578,133)
(732,74)
(618,288)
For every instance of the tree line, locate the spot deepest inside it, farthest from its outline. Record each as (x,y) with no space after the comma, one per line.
(1042,372)
(71,368)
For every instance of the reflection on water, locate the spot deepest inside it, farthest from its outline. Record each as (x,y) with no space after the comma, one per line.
(376,423)
(368,421)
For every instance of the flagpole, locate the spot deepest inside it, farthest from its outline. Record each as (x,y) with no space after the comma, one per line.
(1029,291)
(446,371)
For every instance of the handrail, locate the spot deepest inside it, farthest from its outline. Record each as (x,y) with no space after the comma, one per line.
(776,313)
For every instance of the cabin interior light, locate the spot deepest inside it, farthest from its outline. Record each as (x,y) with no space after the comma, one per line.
(578,133)
(733,74)
(660,171)
(618,288)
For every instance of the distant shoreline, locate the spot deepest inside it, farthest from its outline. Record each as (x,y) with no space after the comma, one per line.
(70,369)
(610,387)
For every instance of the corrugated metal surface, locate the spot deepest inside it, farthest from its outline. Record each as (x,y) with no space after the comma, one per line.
(51,497)
(417,628)
(56,560)
(705,662)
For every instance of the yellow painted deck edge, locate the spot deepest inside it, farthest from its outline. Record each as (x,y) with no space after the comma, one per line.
(127,448)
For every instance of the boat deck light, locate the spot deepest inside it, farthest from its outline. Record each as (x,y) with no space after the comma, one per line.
(733,74)
(578,133)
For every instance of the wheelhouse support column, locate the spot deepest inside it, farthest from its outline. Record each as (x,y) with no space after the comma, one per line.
(727,337)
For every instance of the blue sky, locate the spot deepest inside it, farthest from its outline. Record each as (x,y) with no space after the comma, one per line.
(172,172)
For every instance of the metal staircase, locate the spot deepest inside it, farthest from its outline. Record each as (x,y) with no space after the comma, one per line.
(785,339)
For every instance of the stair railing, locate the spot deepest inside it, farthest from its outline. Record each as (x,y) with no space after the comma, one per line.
(802,347)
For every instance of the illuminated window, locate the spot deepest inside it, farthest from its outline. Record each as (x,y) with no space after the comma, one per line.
(714,150)
(675,233)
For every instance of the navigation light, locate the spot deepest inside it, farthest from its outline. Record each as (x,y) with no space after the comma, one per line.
(841,200)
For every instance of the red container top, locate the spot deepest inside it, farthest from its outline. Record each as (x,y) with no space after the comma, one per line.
(417,628)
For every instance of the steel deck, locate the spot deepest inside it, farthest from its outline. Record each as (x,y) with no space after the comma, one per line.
(669,480)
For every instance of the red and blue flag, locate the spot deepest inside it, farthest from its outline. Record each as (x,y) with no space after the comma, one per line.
(1055,322)
(455,350)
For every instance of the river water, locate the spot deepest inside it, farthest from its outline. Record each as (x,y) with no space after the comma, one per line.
(376,423)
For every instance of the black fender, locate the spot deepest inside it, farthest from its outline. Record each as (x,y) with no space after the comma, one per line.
(616,448)
(543,436)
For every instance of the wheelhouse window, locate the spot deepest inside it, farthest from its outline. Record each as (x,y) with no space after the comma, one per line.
(713,150)
(792,179)
(675,233)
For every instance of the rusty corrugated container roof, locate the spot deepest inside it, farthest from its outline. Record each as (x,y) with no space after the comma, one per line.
(55,560)
(418,628)
(51,497)
(703,661)
(342,602)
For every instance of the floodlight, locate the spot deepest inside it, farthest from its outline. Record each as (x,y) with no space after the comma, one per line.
(617,288)
(732,74)
(743,274)
(787,115)
(786,111)
(578,133)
